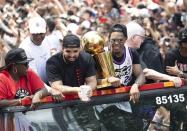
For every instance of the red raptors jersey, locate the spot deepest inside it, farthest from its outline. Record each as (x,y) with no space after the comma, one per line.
(26,86)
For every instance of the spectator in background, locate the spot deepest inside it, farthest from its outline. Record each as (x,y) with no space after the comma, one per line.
(167,43)
(149,24)
(110,11)
(53,37)
(2,55)
(36,46)
(4,48)
(85,22)
(176,64)
(86,19)
(150,57)
(148,51)
(176,59)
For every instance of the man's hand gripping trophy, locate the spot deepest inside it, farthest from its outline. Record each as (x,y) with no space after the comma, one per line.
(94,43)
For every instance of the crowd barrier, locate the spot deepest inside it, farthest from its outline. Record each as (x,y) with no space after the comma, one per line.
(51,116)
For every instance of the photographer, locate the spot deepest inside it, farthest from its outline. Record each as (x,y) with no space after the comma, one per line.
(165,46)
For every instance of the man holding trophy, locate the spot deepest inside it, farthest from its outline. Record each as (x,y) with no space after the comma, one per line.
(114,68)
(93,43)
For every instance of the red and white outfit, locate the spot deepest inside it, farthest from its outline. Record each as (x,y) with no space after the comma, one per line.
(26,86)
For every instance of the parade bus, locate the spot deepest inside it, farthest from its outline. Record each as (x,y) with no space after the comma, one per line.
(162,107)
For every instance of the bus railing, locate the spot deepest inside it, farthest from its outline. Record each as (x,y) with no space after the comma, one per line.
(103,97)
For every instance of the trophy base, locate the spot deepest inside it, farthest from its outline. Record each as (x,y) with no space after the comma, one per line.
(103,83)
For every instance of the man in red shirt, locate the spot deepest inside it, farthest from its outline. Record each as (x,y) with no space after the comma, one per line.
(18,82)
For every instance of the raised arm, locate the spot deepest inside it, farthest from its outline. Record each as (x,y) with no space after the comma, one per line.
(152,74)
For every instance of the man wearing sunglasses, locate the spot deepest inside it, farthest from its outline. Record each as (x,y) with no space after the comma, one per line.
(118,116)
(18,82)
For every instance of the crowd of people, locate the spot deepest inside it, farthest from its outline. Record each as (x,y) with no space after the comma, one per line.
(161,19)
(41,52)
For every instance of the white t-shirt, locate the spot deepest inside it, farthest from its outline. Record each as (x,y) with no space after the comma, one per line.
(40,54)
(54,43)
(123,70)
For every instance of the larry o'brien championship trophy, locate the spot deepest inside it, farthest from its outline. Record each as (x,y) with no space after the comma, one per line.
(93,43)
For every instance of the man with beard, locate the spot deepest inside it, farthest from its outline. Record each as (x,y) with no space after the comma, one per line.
(71,68)
(73,71)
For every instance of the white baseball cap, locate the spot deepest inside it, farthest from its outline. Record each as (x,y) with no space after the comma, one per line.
(37,25)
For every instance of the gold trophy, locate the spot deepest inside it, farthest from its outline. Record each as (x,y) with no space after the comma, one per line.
(93,43)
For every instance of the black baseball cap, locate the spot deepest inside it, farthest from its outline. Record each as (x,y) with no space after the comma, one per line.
(16,55)
(71,41)
(119,28)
